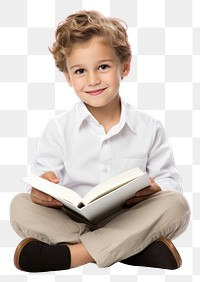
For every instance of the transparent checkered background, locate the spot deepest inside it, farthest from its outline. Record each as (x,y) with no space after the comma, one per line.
(165,80)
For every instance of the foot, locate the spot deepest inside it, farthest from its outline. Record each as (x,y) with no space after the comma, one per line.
(160,254)
(32,255)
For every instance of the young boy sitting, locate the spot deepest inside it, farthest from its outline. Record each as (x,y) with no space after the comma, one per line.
(99,138)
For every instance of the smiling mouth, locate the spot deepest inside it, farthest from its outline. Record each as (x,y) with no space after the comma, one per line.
(95,92)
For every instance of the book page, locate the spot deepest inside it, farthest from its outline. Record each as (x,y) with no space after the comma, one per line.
(113,201)
(55,190)
(111,184)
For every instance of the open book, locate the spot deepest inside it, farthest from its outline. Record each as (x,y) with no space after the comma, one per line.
(101,201)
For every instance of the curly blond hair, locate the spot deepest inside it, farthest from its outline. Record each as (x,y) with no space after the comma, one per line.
(81,27)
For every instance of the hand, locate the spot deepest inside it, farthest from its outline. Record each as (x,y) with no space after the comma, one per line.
(43,199)
(143,194)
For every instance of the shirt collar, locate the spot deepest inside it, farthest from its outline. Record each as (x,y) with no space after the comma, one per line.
(83,114)
(129,119)
(126,117)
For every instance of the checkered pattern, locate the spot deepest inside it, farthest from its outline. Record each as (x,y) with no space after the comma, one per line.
(165,81)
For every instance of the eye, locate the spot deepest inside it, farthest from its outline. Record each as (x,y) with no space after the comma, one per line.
(104,67)
(79,71)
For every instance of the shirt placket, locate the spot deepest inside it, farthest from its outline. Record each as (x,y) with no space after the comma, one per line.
(105,159)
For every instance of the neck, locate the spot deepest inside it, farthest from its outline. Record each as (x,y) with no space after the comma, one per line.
(108,115)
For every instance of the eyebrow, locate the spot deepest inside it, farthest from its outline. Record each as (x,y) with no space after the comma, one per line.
(76,66)
(98,62)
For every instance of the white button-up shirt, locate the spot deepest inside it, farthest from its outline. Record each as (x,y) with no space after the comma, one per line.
(76,147)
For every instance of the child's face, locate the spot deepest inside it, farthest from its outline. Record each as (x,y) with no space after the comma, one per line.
(95,72)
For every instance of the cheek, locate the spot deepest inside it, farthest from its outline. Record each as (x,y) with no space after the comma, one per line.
(114,79)
(76,84)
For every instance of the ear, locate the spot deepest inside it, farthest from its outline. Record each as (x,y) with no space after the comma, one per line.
(67,76)
(125,69)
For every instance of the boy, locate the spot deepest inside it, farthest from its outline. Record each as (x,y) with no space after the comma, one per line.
(99,138)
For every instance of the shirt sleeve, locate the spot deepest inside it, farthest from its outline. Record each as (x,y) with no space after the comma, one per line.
(161,166)
(49,156)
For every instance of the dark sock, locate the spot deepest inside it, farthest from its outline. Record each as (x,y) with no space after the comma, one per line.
(40,257)
(155,255)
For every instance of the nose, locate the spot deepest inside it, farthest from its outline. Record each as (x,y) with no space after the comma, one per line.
(93,79)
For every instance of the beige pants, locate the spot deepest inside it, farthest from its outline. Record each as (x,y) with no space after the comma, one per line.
(117,237)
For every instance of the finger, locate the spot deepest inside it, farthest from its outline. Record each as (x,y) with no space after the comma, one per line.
(40,195)
(44,199)
(145,192)
(152,180)
(53,203)
(50,176)
(133,201)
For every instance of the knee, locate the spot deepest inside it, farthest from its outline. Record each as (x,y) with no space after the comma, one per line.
(18,205)
(176,213)
(177,204)
(176,210)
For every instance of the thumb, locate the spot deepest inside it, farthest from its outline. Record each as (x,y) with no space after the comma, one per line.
(50,176)
(152,180)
